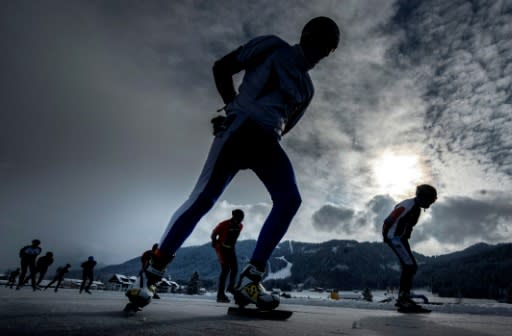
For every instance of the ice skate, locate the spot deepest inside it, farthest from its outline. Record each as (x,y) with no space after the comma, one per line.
(222,299)
(250,290)
(404,301)
(405,304)
(156,269)
(138,298)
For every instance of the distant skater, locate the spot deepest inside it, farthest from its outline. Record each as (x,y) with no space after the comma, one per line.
(396,231)
(87,274)
(145,260)
(274,94)
(42,265)
(59,276)
(28,255)
(224,237)
(13,276)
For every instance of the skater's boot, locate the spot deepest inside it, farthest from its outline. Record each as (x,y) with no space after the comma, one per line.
(250,290)
(138,297)
(404,301)
(156,269)
(222,298)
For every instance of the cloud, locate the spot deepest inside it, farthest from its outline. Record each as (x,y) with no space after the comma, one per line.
(333,218)
(106,109)
(379,208)
(460,55)
(350,223)
(466,220)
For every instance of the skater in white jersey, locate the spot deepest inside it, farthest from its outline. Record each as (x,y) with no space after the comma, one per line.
(396,231)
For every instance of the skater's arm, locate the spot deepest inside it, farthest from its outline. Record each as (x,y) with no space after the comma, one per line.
(298,96)
(295,117)
(247,56)
(214,239)
(219,232)
(223,71)
(391,219)
(215,235)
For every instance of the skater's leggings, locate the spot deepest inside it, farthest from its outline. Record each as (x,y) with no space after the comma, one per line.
(31,265)
(229,265)
(243,145)
(409,267)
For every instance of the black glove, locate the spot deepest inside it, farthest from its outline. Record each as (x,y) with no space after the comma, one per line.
(218,124)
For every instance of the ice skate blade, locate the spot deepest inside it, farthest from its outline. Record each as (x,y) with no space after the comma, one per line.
(273,314)
(415,310)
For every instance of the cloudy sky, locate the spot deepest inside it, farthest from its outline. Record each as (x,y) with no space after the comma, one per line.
(105,109)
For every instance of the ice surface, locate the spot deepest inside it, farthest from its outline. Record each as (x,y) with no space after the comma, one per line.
(67,312)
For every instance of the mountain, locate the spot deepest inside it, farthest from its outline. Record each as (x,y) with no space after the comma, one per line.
(479,271)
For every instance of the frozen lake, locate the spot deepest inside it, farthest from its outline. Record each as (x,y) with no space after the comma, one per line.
(69,313)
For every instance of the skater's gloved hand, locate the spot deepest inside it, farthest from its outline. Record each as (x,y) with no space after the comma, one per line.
(218,124)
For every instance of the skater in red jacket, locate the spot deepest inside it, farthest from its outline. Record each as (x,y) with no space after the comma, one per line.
(224,238)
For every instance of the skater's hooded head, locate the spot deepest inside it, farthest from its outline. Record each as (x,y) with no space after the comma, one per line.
(426,195)
(238,216)
(320,37)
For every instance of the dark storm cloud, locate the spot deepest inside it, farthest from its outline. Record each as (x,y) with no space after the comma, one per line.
(345,221)
(459,220)
(453,221)
(333,218)
(105,114)
(105,109)
(379,208)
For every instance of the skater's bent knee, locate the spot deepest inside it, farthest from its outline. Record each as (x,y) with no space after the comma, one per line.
(294,201)
(290,200)
(411,269)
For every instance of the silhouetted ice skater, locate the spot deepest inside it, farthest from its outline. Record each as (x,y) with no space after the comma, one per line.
(59,276)
(224,237)
(42,265)
(396,231)
(275,92)
(87,274)
(13,276)
(28,255)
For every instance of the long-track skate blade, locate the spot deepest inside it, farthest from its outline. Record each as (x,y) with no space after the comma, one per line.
(416,310)
(261,314)
(130,309)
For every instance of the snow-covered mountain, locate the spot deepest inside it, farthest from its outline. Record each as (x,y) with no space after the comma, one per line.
(479,271)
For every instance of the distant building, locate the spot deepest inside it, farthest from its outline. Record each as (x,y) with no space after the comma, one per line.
(168,286)
(121,282)
(75,283)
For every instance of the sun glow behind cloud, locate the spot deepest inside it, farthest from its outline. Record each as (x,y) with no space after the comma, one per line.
(397,174)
